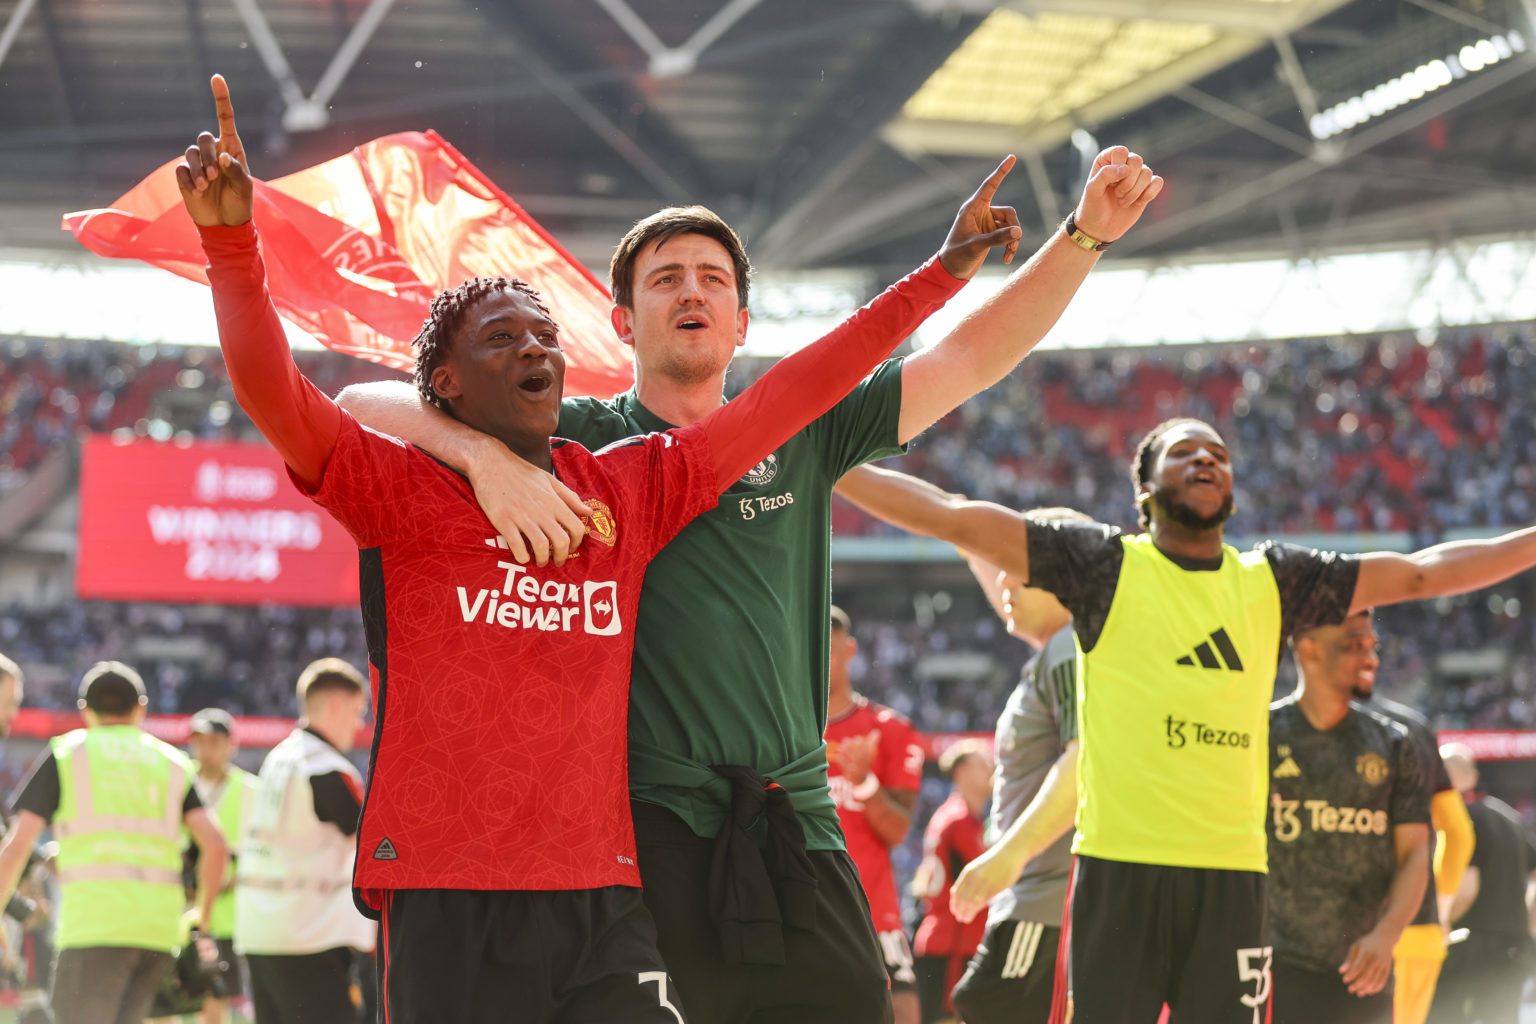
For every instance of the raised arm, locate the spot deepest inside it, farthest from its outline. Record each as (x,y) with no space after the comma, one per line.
(1454,567)
(292,413)
(989,531)
(212,861)
(989,343)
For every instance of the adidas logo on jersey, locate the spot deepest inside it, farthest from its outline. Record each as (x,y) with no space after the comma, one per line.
(1288,769)
(385,850)
(1208,658)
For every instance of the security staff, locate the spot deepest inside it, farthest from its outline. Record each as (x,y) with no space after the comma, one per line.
(295,921)
(116,798)
(226,790)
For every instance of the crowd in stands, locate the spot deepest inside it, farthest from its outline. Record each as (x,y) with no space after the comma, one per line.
(1344,434)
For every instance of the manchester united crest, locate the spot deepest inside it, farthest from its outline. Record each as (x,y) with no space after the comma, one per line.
(601,524)
(1372,768)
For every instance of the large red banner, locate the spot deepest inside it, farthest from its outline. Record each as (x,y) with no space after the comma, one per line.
(215,523)
(357,247)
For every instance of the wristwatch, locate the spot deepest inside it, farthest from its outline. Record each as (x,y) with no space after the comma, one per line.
(1081,240)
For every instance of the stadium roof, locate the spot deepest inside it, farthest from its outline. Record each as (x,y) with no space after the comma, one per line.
(834,133)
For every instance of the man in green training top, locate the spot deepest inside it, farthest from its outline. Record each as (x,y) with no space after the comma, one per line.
(1178,636)
(731,653)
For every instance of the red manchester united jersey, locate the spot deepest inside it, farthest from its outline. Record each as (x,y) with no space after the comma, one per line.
(899,765)
(954,837)
(501,690)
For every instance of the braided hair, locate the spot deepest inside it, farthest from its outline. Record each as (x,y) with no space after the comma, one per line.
(435,339)
(1146,454)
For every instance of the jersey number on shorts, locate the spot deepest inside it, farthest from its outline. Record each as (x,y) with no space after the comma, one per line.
(1248,971)
(660,978)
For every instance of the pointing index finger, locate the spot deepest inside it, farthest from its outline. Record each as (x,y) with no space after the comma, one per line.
(994,180)
(228,135)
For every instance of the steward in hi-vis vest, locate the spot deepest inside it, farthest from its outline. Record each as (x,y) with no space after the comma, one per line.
(228,791)
(1179,634)
(295,920)
(116,798)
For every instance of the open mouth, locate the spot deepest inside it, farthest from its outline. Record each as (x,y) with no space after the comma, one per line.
(1208,479)
(690,323)
(537,383)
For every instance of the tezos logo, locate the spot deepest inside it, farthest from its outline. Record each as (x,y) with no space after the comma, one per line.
(763,472)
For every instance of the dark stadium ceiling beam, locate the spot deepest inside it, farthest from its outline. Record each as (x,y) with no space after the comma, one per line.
(1232,201)
(13,26)
(671,61)
(845,133)
(58,73)
(312,112)
(201,63)
(1460,16)
(1235,115)
(675,180)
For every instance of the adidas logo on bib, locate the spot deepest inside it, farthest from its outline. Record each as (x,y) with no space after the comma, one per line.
(1208,658)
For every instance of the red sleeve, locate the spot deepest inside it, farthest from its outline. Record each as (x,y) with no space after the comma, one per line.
(902,753)
(293,414)
(803,386)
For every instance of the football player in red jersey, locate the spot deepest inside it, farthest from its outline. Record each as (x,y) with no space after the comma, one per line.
(496,843)
(874,766)
(955,836)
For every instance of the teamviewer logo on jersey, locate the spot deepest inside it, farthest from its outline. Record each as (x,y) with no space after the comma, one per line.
(1208,657)
(600,608)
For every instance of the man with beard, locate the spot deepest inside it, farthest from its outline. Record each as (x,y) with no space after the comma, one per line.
(1349,835)
(1178,636)
(1420,953)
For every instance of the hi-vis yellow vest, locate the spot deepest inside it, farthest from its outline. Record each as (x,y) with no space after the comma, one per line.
(1173,714)
(232,809)
(119,832)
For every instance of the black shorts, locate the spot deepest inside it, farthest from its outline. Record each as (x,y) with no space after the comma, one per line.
(308,988)
(230,981)
(1143,935)
(897,951)
(463,957)
(832,974)
(1012,977)
(1317,997)
(937,977)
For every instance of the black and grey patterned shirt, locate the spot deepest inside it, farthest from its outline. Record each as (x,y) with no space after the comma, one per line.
(1428,747)
(1335,798)
(1080,562)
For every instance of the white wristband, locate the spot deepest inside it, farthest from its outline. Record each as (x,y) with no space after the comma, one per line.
(868,788)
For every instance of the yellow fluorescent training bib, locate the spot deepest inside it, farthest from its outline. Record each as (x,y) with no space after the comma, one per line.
(1173,713)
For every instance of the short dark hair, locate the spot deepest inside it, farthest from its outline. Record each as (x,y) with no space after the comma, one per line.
(669,223)
(328,674)
(9,669)
(1146,454)
(438,332)
(840,620)
(213,720)
(112,688)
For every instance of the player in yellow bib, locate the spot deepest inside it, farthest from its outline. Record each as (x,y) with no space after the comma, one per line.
(1178,638)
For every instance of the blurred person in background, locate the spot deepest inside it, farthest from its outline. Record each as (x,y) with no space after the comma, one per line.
(874,768)
(1485,972)
(116,798)
(226,790)
(1020,882)
(295,921)
(954,837)
(1420,953)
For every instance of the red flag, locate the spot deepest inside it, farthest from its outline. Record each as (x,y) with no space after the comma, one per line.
(357,247)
